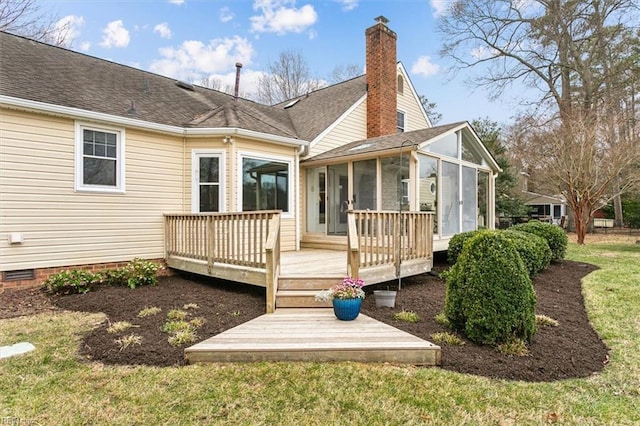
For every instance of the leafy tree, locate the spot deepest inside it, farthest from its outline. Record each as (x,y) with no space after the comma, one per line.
(508,202)
(430,108)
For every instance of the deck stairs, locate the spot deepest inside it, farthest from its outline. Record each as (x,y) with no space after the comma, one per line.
(299,292)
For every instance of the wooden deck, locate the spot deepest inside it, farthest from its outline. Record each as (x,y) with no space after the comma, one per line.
(314,335)
(245,247)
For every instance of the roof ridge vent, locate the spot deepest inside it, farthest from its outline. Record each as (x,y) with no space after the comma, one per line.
(185,85)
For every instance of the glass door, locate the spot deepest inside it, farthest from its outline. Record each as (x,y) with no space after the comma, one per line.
(316,200)
(469,199)
(337,199)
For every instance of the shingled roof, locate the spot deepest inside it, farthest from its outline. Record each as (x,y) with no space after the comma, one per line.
(386,143)
(39,72)
(311,114)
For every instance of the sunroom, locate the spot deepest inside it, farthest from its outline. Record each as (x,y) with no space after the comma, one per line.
(445,170)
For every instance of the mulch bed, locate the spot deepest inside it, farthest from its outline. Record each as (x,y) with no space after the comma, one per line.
(572,349)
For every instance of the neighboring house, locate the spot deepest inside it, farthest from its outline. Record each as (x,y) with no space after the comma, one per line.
(93,154)
(546,208)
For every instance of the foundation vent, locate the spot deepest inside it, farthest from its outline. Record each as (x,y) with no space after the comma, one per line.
(25,274)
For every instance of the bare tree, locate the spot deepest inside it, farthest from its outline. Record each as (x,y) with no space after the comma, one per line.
(582,159)
(569,50)
(344,72)
(287,77)
(23,17)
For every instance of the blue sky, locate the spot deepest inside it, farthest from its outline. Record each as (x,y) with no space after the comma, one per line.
(195,39)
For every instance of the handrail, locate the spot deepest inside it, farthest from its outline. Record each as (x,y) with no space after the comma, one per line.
(230,238)
(378,238)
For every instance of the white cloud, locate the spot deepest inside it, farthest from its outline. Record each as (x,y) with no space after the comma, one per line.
(193,59)
(115,35)
(249,81)
(425,67)
(226,15)
(178,2)
(348,5)
(281,16)
(440,6)
(85,46)
(68,28)
(482,52)
(163,29)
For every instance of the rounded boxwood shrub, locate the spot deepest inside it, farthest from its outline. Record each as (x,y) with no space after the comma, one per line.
(489,294)
(456,243)
(553,234)
(533,250)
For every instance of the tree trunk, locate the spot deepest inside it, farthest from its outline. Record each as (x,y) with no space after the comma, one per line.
(617,210)
(581,223)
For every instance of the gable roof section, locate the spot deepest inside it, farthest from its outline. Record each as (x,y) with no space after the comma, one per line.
(411,87)
(387,143)
(314,112)
(51,75)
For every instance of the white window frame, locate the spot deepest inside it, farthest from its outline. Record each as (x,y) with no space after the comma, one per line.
(195,177)
(119,187)
(404,115)
(266,157)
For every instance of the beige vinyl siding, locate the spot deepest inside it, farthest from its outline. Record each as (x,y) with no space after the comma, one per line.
(232,152)
(62,227)
(410,105)
(352,128)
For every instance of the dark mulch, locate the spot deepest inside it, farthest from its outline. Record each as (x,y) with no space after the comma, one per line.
(572,349)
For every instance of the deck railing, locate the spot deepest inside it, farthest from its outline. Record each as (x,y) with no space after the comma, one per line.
(228,238)
(377,238)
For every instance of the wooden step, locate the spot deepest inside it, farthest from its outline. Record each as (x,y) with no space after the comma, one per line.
(307,283)
(299,299)
(314,335)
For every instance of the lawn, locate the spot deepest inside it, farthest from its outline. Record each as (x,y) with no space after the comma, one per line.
(51,385)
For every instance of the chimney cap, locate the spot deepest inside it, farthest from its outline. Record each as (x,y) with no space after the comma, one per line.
(381,19)
(238,65)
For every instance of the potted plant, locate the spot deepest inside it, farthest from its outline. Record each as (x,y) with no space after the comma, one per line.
(346,298)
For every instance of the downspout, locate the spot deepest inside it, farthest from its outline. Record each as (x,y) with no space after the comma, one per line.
(185,178)
(492,194)
(303,150)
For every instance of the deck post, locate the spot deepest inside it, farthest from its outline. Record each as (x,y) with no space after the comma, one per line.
(353,246)
(272,252)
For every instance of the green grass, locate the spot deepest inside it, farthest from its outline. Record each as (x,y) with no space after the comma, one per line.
(51,386)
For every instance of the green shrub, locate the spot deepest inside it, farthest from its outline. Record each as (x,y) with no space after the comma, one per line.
(136,273)
(71,282)
(447,338)
(533,250)
(553,234)
(489,294)
(456,244)
(407,316)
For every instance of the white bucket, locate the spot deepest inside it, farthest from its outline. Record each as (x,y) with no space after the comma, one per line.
(385,298)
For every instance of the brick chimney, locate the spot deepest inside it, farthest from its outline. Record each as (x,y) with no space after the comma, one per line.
(381,79)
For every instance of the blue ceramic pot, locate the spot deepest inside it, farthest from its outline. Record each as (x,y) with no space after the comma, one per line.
(346,309)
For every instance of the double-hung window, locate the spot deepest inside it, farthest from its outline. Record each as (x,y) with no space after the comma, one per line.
(208,181)
(99,159)
(401,121)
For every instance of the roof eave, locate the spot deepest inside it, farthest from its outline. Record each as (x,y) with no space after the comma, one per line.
(77,113)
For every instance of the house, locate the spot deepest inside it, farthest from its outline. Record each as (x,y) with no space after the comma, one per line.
(101,163)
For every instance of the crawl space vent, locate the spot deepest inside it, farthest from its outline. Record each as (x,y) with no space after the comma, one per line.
(25,274)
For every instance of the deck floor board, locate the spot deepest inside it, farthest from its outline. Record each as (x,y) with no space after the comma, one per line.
(314,335)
